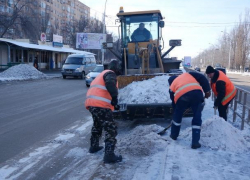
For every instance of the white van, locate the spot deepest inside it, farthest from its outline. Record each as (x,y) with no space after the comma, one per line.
(78,65)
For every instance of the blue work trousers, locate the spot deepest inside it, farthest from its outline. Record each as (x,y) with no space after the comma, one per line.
(193,99)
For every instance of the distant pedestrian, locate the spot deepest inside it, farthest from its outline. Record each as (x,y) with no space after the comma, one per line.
(35,63)
(223,89)
(186,91)
(101,100)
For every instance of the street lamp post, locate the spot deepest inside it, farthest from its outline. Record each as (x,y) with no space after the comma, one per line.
(229,53)
(228,35)
(214,50)
(103,29)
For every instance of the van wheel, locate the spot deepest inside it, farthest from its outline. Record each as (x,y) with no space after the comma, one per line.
(64,77)
(83,75)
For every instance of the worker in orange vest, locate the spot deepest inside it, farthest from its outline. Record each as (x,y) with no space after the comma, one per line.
(186,91)
(223,89)
(101,100)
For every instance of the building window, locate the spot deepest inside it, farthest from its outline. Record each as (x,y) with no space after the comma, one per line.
(43,5)
(10,2)
(9,10)
(2,8)
(42,13)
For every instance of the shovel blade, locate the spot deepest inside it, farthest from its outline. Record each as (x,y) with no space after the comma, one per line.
(162,132)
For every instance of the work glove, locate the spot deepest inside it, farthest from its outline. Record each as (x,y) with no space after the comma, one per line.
(207,94)
(117,107)
(114,101)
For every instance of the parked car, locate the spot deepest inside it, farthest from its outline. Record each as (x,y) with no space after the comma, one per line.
(92,75)
(221,69)
(198,69)
(78,65)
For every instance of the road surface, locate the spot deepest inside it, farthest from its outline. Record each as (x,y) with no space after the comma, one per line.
(31,111)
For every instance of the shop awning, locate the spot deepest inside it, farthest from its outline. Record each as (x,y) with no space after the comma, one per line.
(43,47)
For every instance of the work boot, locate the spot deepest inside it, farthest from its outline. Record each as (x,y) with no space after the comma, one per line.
(196,146)
(112,158)
(174,138)
(95,149)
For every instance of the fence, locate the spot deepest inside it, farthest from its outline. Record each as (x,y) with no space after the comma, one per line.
(240,107)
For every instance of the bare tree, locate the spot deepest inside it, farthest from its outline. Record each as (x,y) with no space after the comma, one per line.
(242,38)
(10,19)
(234,45)
(20,20)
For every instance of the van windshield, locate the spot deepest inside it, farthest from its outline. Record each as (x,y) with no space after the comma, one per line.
(74,60)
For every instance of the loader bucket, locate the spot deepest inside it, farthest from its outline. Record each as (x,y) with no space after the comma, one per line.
(146,111)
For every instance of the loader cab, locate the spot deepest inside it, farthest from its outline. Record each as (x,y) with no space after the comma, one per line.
(131,26)
(140,40)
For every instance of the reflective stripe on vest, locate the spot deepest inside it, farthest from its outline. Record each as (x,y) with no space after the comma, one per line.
(185,86)
(229,95)
(99,98)
(98,86)
(230,89)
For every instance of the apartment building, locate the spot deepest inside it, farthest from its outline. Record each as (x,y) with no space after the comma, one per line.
(49,16)
(37,16)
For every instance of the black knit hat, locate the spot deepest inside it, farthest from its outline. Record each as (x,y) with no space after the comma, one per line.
(171,79)
(115,66)
(209,70)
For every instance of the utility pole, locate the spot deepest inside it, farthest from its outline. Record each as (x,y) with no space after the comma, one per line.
(228,35)
(229,53)
(103,29)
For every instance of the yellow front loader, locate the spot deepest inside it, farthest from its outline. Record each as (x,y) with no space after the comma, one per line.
(142,58)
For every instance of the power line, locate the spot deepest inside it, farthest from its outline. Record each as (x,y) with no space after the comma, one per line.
(204,22)
(198,26)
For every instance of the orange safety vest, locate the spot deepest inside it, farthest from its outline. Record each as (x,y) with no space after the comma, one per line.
(98,95)
(230,89)
(183,84)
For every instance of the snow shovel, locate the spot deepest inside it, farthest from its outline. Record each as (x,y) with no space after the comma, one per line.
(165,129)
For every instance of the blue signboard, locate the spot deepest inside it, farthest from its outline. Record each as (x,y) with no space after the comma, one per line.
(57,44)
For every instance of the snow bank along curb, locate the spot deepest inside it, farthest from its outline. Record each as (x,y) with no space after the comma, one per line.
(22,72)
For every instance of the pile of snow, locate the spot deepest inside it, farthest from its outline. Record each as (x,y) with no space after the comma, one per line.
(21,72)
(142,141)
(145,92)
(218,134)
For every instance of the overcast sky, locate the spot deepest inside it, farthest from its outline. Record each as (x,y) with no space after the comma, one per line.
(198,23)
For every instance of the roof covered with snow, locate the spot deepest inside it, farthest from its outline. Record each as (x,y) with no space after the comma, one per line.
(43,47)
